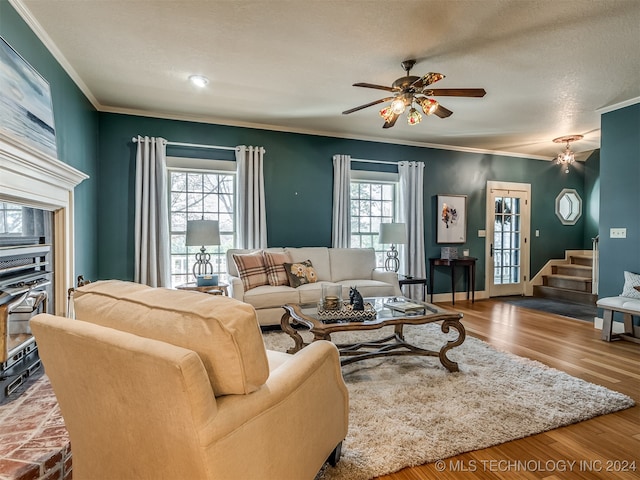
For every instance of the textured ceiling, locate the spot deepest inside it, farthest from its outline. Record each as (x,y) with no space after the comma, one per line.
(549,66)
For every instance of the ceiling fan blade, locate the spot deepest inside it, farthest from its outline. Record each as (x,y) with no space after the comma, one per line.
(443,112)
(427,80)
(391,121)
(377,87)
(456,92)
(355,109)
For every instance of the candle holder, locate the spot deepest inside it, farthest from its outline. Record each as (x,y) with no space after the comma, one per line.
(331,297)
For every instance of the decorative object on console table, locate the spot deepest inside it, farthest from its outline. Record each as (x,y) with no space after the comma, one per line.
(452,219)
(448,253)
(203,233)
(392,233)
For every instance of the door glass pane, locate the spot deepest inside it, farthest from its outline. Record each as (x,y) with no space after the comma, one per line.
(506,241)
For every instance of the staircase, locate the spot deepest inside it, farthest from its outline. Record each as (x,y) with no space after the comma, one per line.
(569,281)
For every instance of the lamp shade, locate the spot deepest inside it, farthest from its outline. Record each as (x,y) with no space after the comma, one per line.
(394,233)
(203,232)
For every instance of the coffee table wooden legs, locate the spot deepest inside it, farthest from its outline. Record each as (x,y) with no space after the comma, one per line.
(393,345)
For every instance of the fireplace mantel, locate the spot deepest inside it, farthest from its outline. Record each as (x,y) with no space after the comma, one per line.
(33,178)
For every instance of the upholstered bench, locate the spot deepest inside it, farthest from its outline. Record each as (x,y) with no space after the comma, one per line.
(625,305)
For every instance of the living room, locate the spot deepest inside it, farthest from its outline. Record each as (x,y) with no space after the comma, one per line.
(299,176)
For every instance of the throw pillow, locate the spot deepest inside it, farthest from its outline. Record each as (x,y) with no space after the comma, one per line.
(251,269)
(631,280)
(274,262)
(301,273)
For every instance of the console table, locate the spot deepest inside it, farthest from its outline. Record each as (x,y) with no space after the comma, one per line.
(469,263)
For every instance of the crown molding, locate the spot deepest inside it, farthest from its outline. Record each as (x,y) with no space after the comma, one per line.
(618,106)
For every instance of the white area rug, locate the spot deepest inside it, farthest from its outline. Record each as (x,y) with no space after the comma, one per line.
(407,411)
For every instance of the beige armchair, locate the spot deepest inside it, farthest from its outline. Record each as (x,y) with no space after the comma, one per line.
(165,384)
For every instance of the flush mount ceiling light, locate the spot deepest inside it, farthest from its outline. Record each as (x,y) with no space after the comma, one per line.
(567,157)
(199,80)
(410,90)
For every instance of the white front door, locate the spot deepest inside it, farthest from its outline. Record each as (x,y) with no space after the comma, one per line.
(508,227)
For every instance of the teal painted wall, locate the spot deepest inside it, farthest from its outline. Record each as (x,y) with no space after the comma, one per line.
(76,124)
(298,175)
(620,197)
(591,201)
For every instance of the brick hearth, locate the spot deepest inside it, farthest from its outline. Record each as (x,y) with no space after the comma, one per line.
(34,444)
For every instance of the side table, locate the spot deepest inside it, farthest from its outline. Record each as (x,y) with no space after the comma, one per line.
(404,280)
(470,265)
(220,289)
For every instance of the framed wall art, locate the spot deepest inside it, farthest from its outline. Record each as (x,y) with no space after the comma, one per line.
(452,219)
(26,111)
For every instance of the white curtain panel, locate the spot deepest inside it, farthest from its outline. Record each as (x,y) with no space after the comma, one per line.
(252,216)
(412,214)
(341,226)
(152,251)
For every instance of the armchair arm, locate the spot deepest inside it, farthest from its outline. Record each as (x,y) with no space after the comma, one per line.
(236,286)
(303,409)
(387,277)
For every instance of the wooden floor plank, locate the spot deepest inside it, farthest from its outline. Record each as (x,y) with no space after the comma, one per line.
(599,447)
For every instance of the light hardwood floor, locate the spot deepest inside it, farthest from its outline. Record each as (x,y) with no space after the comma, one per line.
(601,447)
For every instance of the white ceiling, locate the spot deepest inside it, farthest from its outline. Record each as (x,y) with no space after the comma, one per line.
(550,67)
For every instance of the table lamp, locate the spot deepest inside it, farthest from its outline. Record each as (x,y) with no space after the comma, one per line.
(392,233)
(202,232)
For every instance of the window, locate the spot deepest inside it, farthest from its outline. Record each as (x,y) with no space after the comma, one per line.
(196,194)
(373,201)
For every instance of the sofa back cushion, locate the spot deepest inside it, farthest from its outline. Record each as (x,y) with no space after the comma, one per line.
(318,256)
(352,263)
(222,331)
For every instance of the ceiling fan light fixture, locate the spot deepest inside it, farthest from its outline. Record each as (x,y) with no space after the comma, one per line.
(398,106)
(567,157)
(429,105)
(414,117)
(386,113)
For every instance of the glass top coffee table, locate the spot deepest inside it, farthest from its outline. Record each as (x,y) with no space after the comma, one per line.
(417,313)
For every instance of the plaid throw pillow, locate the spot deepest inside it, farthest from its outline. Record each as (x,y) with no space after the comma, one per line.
(274,261)
(301,273)
(251,269)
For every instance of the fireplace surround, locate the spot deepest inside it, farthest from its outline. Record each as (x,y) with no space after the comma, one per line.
(32,178)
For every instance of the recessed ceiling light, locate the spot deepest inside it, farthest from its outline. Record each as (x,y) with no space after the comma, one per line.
(199,80)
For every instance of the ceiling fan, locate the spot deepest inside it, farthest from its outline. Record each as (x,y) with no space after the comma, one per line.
(410,90)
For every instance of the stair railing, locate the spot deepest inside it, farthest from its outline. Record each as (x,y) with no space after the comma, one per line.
(595,270)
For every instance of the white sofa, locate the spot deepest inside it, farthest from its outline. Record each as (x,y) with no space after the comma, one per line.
(349,267)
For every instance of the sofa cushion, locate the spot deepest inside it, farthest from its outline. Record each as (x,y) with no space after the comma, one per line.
(349,263)
(251,269)
(631,280)
(319,257)
(301,273)
(276,273)
(269,297)
(312,292)
(222,331)
(368,288)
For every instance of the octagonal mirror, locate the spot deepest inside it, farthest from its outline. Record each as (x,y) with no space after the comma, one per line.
(568,206)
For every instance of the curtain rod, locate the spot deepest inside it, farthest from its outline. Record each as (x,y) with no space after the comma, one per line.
(192,145)
(362,160)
